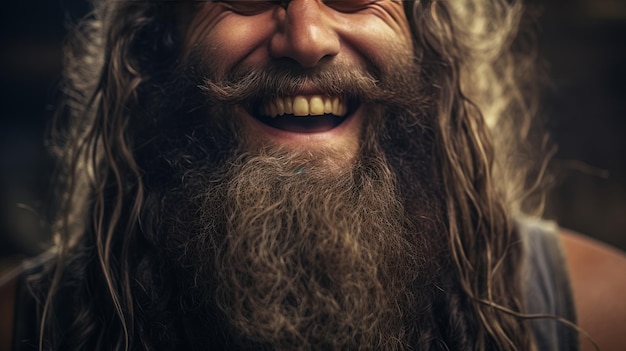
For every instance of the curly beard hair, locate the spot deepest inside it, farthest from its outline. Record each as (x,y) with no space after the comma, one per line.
(300,260)
(291,250)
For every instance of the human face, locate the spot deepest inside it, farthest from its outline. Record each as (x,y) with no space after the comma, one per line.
(244,35)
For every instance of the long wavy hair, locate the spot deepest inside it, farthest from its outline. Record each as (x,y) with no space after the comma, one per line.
(470,52)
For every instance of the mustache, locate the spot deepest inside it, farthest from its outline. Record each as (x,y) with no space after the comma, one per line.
(286,78)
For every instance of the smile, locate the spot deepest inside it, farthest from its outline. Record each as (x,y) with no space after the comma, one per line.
(304,113)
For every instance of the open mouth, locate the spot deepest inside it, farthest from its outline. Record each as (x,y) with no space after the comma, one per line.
(305,113)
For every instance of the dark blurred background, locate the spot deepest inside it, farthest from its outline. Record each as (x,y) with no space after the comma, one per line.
(581,45)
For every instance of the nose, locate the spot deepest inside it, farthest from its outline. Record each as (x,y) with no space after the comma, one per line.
(304,33)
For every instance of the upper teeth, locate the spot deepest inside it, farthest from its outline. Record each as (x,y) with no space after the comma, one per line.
(301,105)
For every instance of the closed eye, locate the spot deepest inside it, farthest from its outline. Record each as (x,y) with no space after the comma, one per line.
(249,7)
(349,6)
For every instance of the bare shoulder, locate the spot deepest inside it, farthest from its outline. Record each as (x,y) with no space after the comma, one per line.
(598,278)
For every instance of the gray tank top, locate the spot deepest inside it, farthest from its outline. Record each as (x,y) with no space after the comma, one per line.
(547,287)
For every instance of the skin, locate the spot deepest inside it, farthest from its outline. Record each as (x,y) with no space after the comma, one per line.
(246,34)
(311,32)
(597,276)
(598,279)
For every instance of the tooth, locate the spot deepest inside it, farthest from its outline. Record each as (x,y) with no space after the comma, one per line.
(300,106)
(336,107)
(344,109)
(280,106)
(288,105)
(328,106)
(316,105)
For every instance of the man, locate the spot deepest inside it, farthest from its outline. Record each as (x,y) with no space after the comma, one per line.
(306,174)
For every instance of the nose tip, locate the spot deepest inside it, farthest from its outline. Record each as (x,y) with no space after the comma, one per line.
(305,34)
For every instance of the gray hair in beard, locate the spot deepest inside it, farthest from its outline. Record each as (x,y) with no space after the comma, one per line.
(295,254)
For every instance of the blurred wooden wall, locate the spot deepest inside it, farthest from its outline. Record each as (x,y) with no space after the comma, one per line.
(584,44)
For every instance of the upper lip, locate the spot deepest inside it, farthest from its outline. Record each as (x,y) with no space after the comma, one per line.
(308,89)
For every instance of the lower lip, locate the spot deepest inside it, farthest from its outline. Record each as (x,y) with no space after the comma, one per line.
(298,139)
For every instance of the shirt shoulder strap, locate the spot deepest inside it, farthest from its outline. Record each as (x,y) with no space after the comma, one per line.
(547,286)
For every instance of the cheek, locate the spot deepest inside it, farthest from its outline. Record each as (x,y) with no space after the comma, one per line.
(223,39)
(380,33)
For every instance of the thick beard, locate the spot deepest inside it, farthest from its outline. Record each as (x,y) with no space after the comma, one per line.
(300,258)
(277,250)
